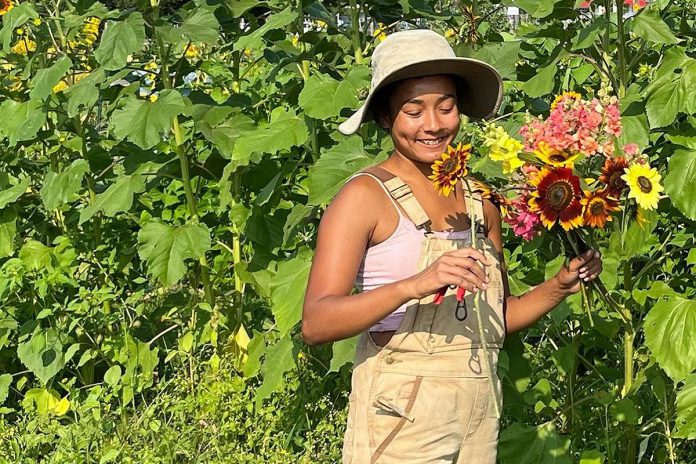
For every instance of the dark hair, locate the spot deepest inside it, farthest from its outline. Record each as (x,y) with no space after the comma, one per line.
(379,106)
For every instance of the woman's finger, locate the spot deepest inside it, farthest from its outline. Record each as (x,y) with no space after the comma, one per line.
(469,252)
(464,275)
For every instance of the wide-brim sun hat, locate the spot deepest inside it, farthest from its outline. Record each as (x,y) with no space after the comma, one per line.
(420,53)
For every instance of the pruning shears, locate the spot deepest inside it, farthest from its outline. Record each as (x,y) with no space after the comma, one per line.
(461,304)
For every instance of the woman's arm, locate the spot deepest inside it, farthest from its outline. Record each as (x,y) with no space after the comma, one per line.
(330,312)
(523,311)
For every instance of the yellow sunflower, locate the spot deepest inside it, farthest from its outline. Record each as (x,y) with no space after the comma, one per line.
(5,6)
(565,96)
(643,185)
(450,168)
(557,198)
(23,46)
(560,158)
(597,208)
(497,198)
(90,30)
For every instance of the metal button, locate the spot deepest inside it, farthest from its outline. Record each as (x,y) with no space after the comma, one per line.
(389,360)
(431,339)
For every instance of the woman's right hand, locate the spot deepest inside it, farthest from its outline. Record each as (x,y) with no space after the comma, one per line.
(462,267)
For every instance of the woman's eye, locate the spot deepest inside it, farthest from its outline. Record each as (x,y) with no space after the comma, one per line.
(447,110)
(413,114)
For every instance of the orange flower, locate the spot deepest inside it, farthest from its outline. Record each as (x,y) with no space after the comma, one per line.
(5,6)
(598,206)
(497,198)
(450,168)
(611,175)
(557,198)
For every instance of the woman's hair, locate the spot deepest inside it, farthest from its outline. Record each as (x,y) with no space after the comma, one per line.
(380,107)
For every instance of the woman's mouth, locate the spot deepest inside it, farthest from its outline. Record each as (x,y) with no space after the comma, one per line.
(432,142)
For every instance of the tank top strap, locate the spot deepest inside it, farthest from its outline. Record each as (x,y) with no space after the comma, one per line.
(408,201)
(476,216)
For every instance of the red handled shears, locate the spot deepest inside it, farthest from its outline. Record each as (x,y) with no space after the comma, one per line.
(461,304)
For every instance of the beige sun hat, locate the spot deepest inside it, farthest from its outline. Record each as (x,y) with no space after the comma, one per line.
(422,52)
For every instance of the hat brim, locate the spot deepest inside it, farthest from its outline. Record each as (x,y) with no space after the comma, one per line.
(481,100)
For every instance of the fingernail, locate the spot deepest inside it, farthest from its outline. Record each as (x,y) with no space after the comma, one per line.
(583,269)
(596,254)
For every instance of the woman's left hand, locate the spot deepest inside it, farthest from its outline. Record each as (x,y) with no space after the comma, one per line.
(583,268)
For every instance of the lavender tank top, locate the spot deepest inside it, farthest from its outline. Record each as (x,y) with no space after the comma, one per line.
(396,258)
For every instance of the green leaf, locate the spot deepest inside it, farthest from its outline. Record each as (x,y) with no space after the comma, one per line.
(542,83)
(35,255)
(285,130)
(256,348)
(110,455)
(8,231)
(685,424)
(680,182)
(526,444)
(201,25)
(591,457)
(587,35)
(119,40)
(343,353)
(334,167)
(288,290)
(16,17)
(61,187)
(21,121)
(254,40)
(649,26)
(5,381)
(279,360)
(669,329)
(672,89)
(44,80)
(113,375)
(502,56)
(536,8)
(625,411)
(85,92)
(42,354)
(165,248)
(10,195)
(324,97)
(118,197)
(225,134)
(142,121)
(239,7)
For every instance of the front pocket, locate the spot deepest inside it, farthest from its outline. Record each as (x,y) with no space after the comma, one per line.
(349,436)
(476,405)
(392,409)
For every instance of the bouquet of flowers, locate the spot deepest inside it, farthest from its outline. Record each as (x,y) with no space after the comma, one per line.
(569,175)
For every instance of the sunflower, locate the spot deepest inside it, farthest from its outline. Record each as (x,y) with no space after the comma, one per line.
(90,30)
(598,206)
(565,96)
(557,198)
(611,175)
(643,185)
(451,167)
(5,6)
(560,158)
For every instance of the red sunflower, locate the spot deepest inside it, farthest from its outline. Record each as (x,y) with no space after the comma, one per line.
(557,198)
(598,206)
(611,175)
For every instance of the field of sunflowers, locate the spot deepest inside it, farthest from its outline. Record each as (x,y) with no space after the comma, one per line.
(163,168)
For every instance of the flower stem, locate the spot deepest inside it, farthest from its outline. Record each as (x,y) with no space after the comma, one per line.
(585,294)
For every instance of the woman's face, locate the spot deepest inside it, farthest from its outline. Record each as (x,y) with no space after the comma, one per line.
(423,117)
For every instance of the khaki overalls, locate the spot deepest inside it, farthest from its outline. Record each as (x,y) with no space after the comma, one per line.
(427,396)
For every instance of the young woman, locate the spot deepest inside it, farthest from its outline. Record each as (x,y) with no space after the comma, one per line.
(424,387)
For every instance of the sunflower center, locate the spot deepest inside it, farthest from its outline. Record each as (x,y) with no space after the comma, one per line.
(559,195)
(558,157)
(616,181)
(450,165)
(644,184)
(597,208)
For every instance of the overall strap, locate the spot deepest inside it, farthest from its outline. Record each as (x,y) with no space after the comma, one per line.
(403,194)
(478,220)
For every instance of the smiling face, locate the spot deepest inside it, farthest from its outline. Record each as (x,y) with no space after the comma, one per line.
(423,117)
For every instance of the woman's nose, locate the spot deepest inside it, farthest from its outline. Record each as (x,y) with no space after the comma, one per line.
(431,121)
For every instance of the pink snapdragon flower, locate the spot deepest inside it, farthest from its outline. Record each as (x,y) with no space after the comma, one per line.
(524,223)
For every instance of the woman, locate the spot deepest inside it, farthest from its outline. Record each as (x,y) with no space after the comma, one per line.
(424,387)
